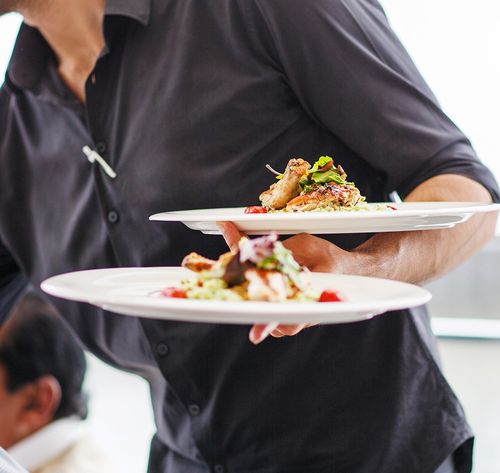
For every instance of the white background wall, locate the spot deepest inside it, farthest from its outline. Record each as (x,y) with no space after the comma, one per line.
(9,24)
(456,45)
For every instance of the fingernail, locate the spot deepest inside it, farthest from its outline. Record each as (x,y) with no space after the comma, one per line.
(264,334)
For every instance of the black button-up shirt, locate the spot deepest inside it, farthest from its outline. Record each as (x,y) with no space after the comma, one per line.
(187,103)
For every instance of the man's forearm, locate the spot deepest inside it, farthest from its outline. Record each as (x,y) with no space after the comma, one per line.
(420,256)
(406,256)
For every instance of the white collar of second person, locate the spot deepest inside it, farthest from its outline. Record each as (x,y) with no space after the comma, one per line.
(48,443)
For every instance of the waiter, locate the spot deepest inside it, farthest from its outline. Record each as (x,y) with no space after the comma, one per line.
(185,101)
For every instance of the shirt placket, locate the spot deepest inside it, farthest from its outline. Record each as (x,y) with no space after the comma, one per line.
(193,403)
(99,152)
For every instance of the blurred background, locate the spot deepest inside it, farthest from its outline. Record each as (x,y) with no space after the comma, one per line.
(455,44)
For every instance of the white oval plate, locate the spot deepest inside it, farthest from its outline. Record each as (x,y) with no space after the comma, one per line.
(409,216)
(135,291)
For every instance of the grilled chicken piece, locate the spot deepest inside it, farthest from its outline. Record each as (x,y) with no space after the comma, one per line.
(278,195)
(325,196)
(197,263)
(270,286)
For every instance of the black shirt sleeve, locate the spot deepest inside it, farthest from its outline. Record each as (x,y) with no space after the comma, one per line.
(352,75)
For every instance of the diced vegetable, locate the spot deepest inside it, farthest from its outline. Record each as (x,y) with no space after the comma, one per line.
(175,292)
(330,296)
(255,209)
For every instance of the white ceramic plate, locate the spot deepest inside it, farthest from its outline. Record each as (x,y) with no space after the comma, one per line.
(408,216)
(135,291)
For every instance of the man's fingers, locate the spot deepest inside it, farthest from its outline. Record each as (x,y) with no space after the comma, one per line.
(260,332)
(276,334)
(231,234)
(288,330)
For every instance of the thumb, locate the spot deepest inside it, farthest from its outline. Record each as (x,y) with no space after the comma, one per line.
(231,234)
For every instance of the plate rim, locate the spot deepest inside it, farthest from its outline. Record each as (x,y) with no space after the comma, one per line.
(182,307)
(189,215)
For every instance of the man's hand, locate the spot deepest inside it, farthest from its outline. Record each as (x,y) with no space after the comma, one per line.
(319,255)
(314,253)
(414,257)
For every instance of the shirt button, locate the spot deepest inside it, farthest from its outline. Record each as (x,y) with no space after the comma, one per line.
(113,216)
(219,469)
(101,147)
(162,349)
(194,409)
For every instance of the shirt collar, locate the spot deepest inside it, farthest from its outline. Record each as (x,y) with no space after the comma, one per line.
(8,464)
(48,443)
(32,53)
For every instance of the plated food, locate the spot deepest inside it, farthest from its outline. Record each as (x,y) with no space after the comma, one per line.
(305,188)
(319,199)
(261,270)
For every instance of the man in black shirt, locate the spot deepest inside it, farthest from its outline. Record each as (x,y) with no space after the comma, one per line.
(186,100)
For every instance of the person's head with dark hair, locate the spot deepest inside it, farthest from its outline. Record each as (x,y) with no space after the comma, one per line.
(42,368)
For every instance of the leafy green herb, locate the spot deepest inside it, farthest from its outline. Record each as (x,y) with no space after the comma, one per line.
(288,265)
(307,188)
(329,176)
(315,176)
(321,162)
(270,262)
(282,260)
